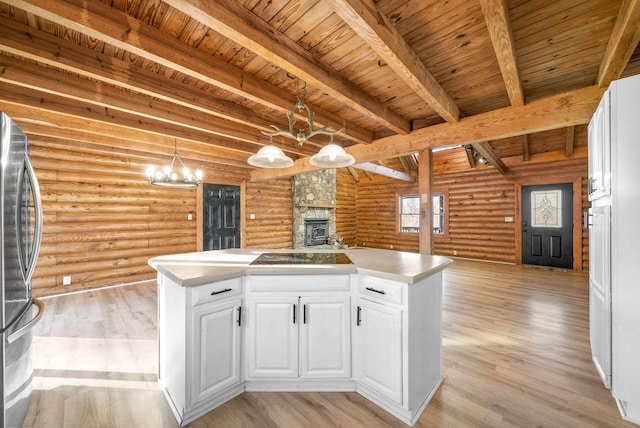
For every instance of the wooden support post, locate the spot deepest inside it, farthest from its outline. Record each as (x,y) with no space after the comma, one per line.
(425,180)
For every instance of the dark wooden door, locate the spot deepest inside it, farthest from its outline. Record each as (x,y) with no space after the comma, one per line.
(547,225)
(221,217)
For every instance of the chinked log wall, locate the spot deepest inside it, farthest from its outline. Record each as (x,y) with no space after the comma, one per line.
(477,201)
(103,221)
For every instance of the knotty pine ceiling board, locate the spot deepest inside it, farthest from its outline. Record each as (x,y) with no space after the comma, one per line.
(576,31)
(455,46)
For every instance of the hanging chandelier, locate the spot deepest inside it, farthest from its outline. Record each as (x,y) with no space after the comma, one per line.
(330,156)
(167,178)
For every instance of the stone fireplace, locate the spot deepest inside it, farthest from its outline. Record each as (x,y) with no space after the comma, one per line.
(314,197)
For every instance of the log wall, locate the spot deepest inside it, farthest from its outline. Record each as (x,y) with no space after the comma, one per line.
(271,204)
(346,197)
(103,221)
(478,201)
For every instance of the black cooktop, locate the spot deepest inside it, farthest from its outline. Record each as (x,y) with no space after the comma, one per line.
(302,259)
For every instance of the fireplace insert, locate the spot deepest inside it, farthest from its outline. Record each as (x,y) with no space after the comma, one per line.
(316,231)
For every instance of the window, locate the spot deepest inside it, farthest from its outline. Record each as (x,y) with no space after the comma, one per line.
(409,210)
(410,214)
(437,209)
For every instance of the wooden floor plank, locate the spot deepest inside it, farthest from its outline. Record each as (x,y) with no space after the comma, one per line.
(515,354)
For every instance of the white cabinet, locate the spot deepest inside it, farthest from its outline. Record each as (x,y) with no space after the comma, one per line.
(600,290)
(398,343)
(325,337)
(216,348)
(599,146)
(272,337)
(614,252)
(300,333)
(379,336)
(298,337)
(199,333)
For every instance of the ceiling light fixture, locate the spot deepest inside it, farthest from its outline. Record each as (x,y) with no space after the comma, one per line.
(167,178)
(330,156)
(270,156)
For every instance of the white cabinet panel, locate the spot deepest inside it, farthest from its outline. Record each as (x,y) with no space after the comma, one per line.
(600,290)
(325,339)
(379,335)
(216,348)
(272,334)
(599,183)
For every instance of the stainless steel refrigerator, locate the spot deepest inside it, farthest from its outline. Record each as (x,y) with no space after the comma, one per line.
(20,233)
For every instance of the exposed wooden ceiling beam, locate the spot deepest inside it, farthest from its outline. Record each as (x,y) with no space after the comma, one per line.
(558,111)
(53,82)
(623,41)
(383,170)
(30,43)
(570,137)
(231,19)
(525,148)
(65,112)
(102,22)
(496,16)
(382,36)
(485,149)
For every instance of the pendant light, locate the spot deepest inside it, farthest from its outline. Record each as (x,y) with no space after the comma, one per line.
(332,156)
(270,156)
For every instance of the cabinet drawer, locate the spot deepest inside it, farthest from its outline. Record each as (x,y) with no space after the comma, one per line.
(216,291)
(381,289)
(298,283)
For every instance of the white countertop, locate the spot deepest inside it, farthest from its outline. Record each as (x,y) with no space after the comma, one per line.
(198,268)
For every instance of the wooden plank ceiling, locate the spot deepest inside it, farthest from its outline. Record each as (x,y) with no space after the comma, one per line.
(398,76)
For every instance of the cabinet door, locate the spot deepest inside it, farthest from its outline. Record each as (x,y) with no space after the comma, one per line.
(272,337)
(216,348)
(599,146)
(325,337)
(379,338)
(600,290)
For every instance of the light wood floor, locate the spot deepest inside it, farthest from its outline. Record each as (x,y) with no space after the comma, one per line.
(516,354)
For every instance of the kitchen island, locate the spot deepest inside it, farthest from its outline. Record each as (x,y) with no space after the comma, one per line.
(358,319)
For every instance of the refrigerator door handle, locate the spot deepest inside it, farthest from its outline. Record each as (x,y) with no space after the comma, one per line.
(37,231)
(25,328)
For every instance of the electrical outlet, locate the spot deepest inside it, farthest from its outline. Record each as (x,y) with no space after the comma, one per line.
(190,216)
(66,280)
(391,247)
(455,252)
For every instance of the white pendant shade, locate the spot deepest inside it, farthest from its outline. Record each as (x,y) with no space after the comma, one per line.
(270,157)
(332,156)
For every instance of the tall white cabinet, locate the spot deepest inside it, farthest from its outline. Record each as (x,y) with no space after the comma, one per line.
(614,238)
